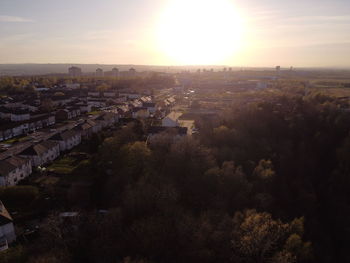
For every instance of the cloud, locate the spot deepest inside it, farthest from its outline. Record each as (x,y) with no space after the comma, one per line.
(319,19)
(15,19)
(99,35)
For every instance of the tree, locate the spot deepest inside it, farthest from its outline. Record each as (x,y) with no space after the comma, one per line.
(18,196)
(47,105)
(103,87)
(257,237)
(264,171)
(136,158)
(234,187)
(14,255)
(185,166)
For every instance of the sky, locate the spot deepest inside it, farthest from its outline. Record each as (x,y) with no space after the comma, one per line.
(312,33)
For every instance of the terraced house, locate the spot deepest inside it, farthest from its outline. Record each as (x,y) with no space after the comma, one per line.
(7,230)
(42,153)
(14,169)
(67,140)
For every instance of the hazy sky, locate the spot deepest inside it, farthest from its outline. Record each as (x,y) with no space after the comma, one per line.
(298,33)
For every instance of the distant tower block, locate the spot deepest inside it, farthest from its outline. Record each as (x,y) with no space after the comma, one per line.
(74,72)
(132,72)
(99,73)
(115,72)
(278,68)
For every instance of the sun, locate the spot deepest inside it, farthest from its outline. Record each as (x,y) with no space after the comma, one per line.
(199,32)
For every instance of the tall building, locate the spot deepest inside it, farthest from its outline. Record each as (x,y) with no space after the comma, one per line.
(74,72)
(278,70)
(99,72)
(115,72)
(132,72)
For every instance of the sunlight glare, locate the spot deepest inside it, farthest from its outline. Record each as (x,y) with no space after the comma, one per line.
(200,31)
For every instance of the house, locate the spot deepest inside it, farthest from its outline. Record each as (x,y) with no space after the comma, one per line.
(67,140)
(67,113)
(29,127)
(84,107)
(170,101)
(5,113)
(14,114)
(72,86)
(120,99)
(130,95)
(135,103)
(75,111)
(159,114)
(96,127)
(29,105)
(189,124)
(61,100)
(14,169)
(39,89)
(48,120)
(7,230)
(17,130)
(178,89)
(20,115)
(123,110)
(107,119)
(10,130)
(261,85)
(36,123)
(172,119)
(95,94)
(42,153)
(6,133)
(109,94)
(97,102)
(63,115)
(146,99)
(85,129)
(140,112)
(151,106)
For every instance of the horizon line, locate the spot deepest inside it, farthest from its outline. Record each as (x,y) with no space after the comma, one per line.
(189,65)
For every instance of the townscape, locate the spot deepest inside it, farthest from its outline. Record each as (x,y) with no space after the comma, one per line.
(170,131)
(98,165)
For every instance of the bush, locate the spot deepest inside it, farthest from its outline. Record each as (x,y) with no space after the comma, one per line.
(15,196)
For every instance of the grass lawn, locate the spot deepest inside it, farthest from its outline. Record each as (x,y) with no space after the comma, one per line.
(94,112)
(66,165)
(16,139)
(47,180)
